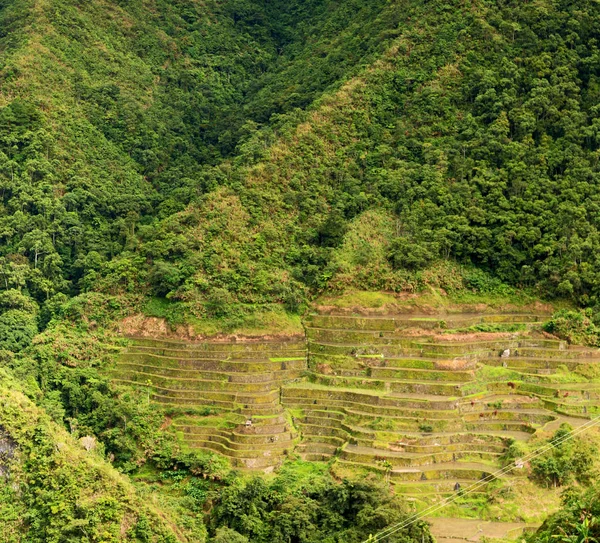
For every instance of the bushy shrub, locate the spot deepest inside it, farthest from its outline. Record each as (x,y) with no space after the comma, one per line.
(578,520)
(227,535)
(569,460)
(575,326)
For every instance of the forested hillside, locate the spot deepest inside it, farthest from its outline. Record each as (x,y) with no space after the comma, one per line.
(113,114)
(54,489)
(220,164)
(260,152)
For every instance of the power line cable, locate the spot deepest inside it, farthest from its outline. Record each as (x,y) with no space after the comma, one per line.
(436,507)
(538,452)
(418,516)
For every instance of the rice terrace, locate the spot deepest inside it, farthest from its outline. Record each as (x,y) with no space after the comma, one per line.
(432,403)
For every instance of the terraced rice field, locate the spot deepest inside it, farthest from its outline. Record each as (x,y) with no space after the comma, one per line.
(451,530)
(226,395)
(415,398)
(425,404)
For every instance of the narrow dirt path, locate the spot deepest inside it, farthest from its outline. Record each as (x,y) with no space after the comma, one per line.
(456,530)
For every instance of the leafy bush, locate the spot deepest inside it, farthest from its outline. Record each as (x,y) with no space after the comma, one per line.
(569,460)
(227,535)
(515,451)
(574,326)
(309,510)
(578,521)
(15,299)
(17,329)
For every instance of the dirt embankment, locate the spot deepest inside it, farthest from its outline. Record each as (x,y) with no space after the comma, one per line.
(473,336)
(457,336)
(152,327)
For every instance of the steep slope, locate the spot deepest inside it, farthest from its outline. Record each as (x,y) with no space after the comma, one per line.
(112,111)
(474,138)
(53,488)
(212,159)
(429,132)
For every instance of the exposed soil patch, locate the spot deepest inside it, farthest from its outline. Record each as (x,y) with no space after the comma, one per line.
(456,364)
(513,399)
(450,530)
(417,304)
(126,524)
(325,369)
(473,336)
(416,332)
(152,327)
(457,336)
(8,450)
(140,325)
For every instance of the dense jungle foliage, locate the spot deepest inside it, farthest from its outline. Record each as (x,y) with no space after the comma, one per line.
(52,489)
(197,160)
(256,152)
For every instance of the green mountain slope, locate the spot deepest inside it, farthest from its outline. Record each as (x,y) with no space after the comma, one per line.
(111,112)
(210,161)
(471,130)
(473,137)
(53,488)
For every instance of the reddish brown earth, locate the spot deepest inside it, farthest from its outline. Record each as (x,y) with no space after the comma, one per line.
(456,530)
(152,327)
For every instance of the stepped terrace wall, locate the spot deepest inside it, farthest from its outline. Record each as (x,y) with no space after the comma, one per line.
(222,396)
(422,393)
(376,382)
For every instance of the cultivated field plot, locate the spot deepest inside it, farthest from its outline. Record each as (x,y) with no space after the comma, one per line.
(434,401)
(220,396)
(425,401)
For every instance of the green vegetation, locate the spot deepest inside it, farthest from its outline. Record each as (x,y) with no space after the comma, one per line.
(569,461)
(243,319)
(577,327)
(55,489)
(578,521)
(229,156)
(309,507)
(202,168)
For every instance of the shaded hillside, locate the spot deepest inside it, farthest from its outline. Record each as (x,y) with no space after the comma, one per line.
(53,488)
(112,111)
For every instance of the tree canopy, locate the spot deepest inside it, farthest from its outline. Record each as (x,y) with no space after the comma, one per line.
(259,152)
